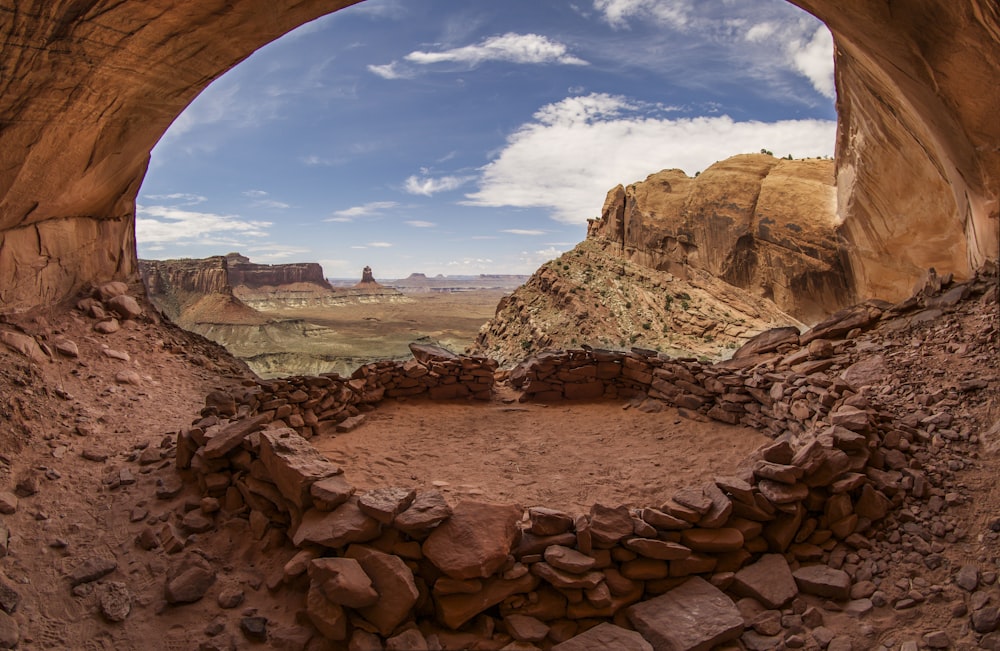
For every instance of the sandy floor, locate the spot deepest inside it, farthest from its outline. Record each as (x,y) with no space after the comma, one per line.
(559,456)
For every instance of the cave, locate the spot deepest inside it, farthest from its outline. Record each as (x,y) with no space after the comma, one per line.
(90,87)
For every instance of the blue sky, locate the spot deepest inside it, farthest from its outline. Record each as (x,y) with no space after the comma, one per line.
(466,137)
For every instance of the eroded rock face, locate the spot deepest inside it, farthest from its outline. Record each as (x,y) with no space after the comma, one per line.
(89,87)
(244,272)
(763,224)
(917,157)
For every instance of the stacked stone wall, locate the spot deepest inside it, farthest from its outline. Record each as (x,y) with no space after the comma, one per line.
(836,467)
(394,564)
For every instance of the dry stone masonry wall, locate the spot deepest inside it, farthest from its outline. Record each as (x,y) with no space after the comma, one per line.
(794,518)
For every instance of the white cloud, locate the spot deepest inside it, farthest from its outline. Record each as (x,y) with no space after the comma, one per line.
(428,186)
(617,13)
(522,231)
(577,149)
(260,200)
(273,252)
(184,198)
(530,261)
(416,223)
(390,71)
(380,245)
(524,49)
(761,32)
(814,59)
(171,224)
(510,47)
(369,209)
(334,266)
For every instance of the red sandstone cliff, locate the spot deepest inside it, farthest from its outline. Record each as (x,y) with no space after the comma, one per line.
(762,224)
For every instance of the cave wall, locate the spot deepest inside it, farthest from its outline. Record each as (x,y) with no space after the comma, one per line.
(918,150)
(89,86)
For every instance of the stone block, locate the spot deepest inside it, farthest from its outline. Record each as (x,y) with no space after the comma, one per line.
(695,616)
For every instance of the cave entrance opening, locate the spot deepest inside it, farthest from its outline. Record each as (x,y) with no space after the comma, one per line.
(462,141)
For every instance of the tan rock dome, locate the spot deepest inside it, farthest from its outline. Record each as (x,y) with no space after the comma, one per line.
(89,88)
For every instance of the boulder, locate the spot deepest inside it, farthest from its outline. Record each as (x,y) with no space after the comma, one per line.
(769,581)
(429,509)
(695,616)
(293,464)
(343,582)
(603,637)
(393,581)
(475,541)
(344,525)
(823,581)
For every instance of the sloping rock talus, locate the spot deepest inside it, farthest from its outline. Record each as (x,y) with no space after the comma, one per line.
(90,86)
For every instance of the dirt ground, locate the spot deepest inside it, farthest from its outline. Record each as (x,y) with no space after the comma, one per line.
(92,444)
(561,456)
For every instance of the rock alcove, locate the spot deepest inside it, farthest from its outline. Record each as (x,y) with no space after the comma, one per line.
(89,87)
(92,85)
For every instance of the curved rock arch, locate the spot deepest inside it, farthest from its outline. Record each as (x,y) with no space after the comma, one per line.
(87,88)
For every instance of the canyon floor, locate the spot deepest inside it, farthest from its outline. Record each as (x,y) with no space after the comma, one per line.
(341,338)
(86,471)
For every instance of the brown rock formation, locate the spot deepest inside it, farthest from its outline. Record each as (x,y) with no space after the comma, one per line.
(593,296)
(90,86)
(918,165)
(368,280)
(244,272)
(762,224)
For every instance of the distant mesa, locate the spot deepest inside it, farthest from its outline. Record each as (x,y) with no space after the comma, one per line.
(367,280)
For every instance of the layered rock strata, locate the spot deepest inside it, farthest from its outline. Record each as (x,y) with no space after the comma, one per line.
(763,224)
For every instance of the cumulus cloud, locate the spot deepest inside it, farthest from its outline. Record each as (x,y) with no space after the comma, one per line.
(176,225)
(523,49)
(768,41)
(509,47)
(814,59)
(429,186)
(370,209)
(577,149)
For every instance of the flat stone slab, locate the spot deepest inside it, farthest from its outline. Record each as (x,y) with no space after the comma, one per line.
(695,616)
(294,465)
(344,525)
(475,541)
(231,435)
(769,581)
(603,637)
(823,581)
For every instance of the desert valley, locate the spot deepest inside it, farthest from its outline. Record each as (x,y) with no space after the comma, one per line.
(756,408)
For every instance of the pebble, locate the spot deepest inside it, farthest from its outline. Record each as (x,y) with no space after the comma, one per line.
(115,600)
